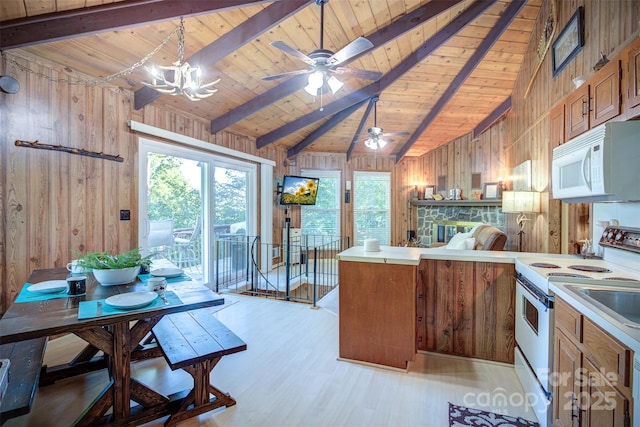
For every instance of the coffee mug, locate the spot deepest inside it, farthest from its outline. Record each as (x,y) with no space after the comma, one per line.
(77,285)
(156,284)
(74,268)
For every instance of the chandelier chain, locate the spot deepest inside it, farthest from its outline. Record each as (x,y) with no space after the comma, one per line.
(95,82)
(181,42)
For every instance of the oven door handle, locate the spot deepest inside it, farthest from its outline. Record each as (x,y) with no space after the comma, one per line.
(546,300)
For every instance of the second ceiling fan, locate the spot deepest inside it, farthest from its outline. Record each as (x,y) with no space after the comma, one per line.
(376,139)
(323,63)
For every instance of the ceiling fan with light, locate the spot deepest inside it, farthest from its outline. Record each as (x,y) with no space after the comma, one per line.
(323,63)
(376,139)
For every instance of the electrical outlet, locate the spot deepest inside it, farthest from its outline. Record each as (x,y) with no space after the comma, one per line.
(125,215)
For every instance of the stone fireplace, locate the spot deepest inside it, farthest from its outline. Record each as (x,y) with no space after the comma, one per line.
(437,223)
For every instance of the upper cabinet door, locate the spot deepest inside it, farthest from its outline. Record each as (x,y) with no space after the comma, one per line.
(633,74)
(556,121)
(606,101)
(577,112)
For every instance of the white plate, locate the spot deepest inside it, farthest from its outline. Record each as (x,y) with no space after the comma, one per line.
(167,272)
(131,300)
(49,287)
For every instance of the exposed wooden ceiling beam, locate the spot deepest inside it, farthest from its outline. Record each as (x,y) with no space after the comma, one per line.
(494,34)
(108,17)
(379,38)
(363,122)
(329,124)
(229,42)
(341,104)
(500,111)
(451,29)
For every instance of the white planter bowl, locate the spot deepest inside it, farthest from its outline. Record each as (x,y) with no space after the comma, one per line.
(117,276)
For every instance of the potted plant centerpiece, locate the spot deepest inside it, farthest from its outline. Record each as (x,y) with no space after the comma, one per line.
(114,269)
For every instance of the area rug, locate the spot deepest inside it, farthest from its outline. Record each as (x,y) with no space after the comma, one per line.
(460,416)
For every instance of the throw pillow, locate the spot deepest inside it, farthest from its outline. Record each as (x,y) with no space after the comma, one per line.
(458,241)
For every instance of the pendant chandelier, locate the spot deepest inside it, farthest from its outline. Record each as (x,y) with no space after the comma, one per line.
(180,78)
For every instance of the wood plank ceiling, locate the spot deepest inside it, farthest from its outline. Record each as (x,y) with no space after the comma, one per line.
(447,65)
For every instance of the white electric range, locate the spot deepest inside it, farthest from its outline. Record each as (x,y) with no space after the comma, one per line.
(534,322)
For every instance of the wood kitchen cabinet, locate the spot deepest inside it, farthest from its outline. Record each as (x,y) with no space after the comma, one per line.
(632,69)
(577,112)
(592,373)
(377,312)
(595,102)
(601,403)
(606,99)
(557,126)
(466,308)
(566,391)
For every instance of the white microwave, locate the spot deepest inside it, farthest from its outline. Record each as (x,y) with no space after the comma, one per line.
(601,165)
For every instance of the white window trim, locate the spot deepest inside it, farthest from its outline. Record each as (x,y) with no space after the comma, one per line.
(362,175)
(324,173)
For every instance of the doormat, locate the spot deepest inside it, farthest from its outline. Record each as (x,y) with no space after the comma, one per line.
(460,416)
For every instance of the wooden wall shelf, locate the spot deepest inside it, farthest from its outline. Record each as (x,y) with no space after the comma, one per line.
(497,202)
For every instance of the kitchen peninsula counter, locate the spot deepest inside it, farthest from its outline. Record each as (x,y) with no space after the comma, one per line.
(400,300)
(412,256)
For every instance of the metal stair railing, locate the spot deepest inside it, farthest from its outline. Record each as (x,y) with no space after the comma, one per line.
(311,275)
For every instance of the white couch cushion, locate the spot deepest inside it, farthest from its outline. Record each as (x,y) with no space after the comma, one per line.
(459,241)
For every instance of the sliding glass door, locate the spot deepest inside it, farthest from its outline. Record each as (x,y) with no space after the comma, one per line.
(189,199)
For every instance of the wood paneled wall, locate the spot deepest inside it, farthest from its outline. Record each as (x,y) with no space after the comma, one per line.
(609,27)
(53,203)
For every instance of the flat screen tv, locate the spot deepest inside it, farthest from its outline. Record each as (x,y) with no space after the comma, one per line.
(299,190)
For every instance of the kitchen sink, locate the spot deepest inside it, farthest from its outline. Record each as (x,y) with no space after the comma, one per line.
(625,302)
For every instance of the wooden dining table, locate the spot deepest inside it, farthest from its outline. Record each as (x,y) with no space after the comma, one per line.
(119,336)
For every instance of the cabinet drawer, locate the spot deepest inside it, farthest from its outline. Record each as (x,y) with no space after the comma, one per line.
(568,319)
(607,353)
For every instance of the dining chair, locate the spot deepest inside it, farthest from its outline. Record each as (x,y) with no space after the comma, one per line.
(184,241)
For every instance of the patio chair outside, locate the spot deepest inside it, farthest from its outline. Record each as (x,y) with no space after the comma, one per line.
(184,241)
(160,239)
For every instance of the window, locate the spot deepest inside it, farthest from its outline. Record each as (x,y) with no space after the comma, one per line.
(323,218)
(372,207)
(196,191)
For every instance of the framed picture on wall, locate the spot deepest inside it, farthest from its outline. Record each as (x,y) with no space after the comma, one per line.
(569,42)
(491,191)
(429,191)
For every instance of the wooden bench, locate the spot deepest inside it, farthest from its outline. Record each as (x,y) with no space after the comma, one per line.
(24,372)
(195,341)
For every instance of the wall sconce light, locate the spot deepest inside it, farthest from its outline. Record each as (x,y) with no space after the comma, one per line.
(521,202)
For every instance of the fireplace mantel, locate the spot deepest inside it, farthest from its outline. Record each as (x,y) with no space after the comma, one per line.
(496,202)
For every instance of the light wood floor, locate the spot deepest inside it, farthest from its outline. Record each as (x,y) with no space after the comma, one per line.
(290,376)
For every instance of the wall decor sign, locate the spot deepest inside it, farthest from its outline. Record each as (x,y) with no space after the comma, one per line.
(491,191)
(569,42)
(548,32)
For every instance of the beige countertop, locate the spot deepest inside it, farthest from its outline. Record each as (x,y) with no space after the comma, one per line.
(412,256)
